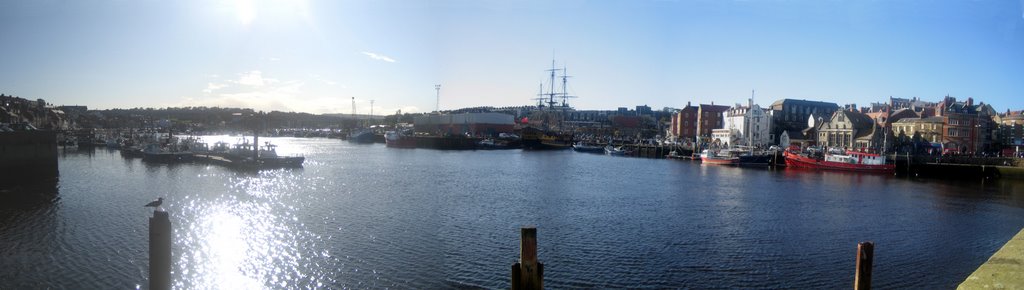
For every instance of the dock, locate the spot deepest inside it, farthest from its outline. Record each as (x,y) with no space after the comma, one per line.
(1004,270)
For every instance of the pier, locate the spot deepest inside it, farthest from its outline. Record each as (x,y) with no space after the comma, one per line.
(27,156)
(1004,270)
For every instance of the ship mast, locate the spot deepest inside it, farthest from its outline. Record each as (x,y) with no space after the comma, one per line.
(565,88)
(551,92)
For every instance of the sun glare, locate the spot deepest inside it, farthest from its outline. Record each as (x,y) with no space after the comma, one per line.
(245,10)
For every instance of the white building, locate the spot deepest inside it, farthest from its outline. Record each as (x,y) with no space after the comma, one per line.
(748,125)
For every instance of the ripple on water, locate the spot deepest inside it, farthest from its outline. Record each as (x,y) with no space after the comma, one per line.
(373,217)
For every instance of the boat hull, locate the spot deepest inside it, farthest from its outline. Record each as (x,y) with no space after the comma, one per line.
(588,148)
(755,160)
(719,161)
(447,142)
(799,161)
(401,142)
(364,137)
(537,144)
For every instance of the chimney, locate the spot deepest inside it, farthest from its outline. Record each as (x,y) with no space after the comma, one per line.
(970,102)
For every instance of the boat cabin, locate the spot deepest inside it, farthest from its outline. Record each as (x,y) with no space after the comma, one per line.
(852,157)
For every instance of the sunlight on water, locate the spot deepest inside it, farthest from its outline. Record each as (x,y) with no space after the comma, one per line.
(226,251)
(248,239)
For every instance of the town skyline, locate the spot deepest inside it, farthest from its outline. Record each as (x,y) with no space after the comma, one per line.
(313,56)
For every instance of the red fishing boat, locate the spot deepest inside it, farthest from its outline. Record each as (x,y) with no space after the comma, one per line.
(848,161)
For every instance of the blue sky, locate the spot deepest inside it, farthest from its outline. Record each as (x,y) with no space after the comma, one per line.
(314,56)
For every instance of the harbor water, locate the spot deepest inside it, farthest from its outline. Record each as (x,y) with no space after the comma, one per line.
(367,216)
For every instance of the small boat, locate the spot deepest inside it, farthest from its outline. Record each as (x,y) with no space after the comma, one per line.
(674,154)
(587,147)
(614,151)
(168,153)
(755,159)
(718,157)
(846,161)
(243,156)
(399,139)
(365,136)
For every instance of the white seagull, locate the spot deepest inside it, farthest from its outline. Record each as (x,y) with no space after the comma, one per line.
(156,203)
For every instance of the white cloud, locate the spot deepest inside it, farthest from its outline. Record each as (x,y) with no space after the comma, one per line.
(211,87)
(380,57)
(253,89)
(254,78)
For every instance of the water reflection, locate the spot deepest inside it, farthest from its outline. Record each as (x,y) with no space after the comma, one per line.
(29,225)
(30,196)
(247,237)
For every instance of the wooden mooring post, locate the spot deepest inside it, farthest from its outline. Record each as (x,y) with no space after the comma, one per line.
(865,255)
(160,250)
(528,273)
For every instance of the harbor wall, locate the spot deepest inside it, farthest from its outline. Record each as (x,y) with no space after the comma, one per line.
(27,156)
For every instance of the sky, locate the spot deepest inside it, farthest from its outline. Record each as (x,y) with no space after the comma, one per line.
(316,56)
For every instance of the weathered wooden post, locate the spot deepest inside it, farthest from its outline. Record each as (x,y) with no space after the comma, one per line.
(528,273)
(160,250)
(865,255)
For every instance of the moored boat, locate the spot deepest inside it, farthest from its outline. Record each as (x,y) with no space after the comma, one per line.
(848,161)
(717,157)
(587,147)
(537,139)
(614,151)
(364,136)
(447,142)
(399,139)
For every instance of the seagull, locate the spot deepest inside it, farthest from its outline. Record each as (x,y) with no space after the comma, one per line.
(156,203)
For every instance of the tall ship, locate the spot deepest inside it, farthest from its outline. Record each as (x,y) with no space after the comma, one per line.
(846,161)
(547,130)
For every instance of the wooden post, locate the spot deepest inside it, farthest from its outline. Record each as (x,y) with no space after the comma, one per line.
(865,255)
(528,273)
(160,250)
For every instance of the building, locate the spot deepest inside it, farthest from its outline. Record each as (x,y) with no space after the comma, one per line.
(684,122)
(748,125)
(794,138)
(790,114)
(967,128)
(918,129)
(644,110)
(1011,130)
(849,130)
(710,117)
(692,121)
(922,108)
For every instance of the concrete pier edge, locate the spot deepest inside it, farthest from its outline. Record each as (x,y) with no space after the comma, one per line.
(1004,270)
